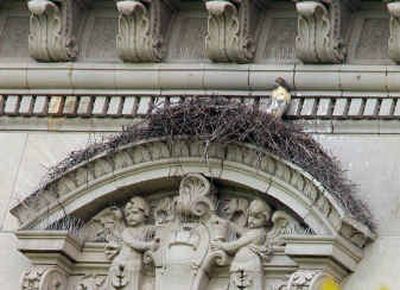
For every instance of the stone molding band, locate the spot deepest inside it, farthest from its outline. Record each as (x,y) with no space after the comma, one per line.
(136,106)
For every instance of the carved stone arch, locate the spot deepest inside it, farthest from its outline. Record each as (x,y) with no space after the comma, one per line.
(148,166)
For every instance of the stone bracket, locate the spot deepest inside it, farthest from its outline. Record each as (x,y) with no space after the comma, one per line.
(142,29)
(231,30)
(52,29)
(394,27)
(321,24)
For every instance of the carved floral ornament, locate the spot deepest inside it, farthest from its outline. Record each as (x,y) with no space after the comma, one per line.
(225,225)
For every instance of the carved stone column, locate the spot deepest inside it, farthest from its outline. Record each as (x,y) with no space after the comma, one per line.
(394,26)
(320,30)
(231,30)
(52,31)
(142,27)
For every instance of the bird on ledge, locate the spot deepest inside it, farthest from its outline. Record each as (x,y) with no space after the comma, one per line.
(280,98)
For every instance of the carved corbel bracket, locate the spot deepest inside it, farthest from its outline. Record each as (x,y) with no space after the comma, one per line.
(142,28)
(231,30)
(52,30)
(321,30)
(394,26)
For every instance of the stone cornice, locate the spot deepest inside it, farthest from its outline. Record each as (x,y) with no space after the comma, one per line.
(158,79)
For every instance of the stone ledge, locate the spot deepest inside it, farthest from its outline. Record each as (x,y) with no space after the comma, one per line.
(78,78)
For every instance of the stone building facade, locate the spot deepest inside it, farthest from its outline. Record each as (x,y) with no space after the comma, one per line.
(74,72)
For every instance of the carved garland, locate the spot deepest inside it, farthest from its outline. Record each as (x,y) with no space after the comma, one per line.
(53,26)
(142,28)
(231,30)
(320,31)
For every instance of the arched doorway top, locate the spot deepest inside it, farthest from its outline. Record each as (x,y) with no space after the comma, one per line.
(153,163)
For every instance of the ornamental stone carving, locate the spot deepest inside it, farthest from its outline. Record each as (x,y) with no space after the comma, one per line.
(321,29)
(142,27)
(194,241)
(394,27)
(231,30)
(163,228)
(310,280)
(42,278)
(91,282)
(53,28)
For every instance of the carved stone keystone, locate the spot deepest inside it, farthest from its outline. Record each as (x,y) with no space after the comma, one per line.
(394,26)
(53,25)
(142,27)
(320,30)
(231,30)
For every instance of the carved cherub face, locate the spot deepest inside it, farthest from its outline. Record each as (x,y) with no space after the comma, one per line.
(259,214)
(136,211)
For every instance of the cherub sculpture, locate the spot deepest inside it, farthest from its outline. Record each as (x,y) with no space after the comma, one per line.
(249,250)
(127,256)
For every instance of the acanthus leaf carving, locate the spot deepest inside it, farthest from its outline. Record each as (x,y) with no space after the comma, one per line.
(231,30)
(53,28)
(320,36)
(394,28)
(142,28)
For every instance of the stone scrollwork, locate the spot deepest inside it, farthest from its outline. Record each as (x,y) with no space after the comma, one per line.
(142,27)
(41,278)
(53,27)
(321,30)
(394,26)
(231,30)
